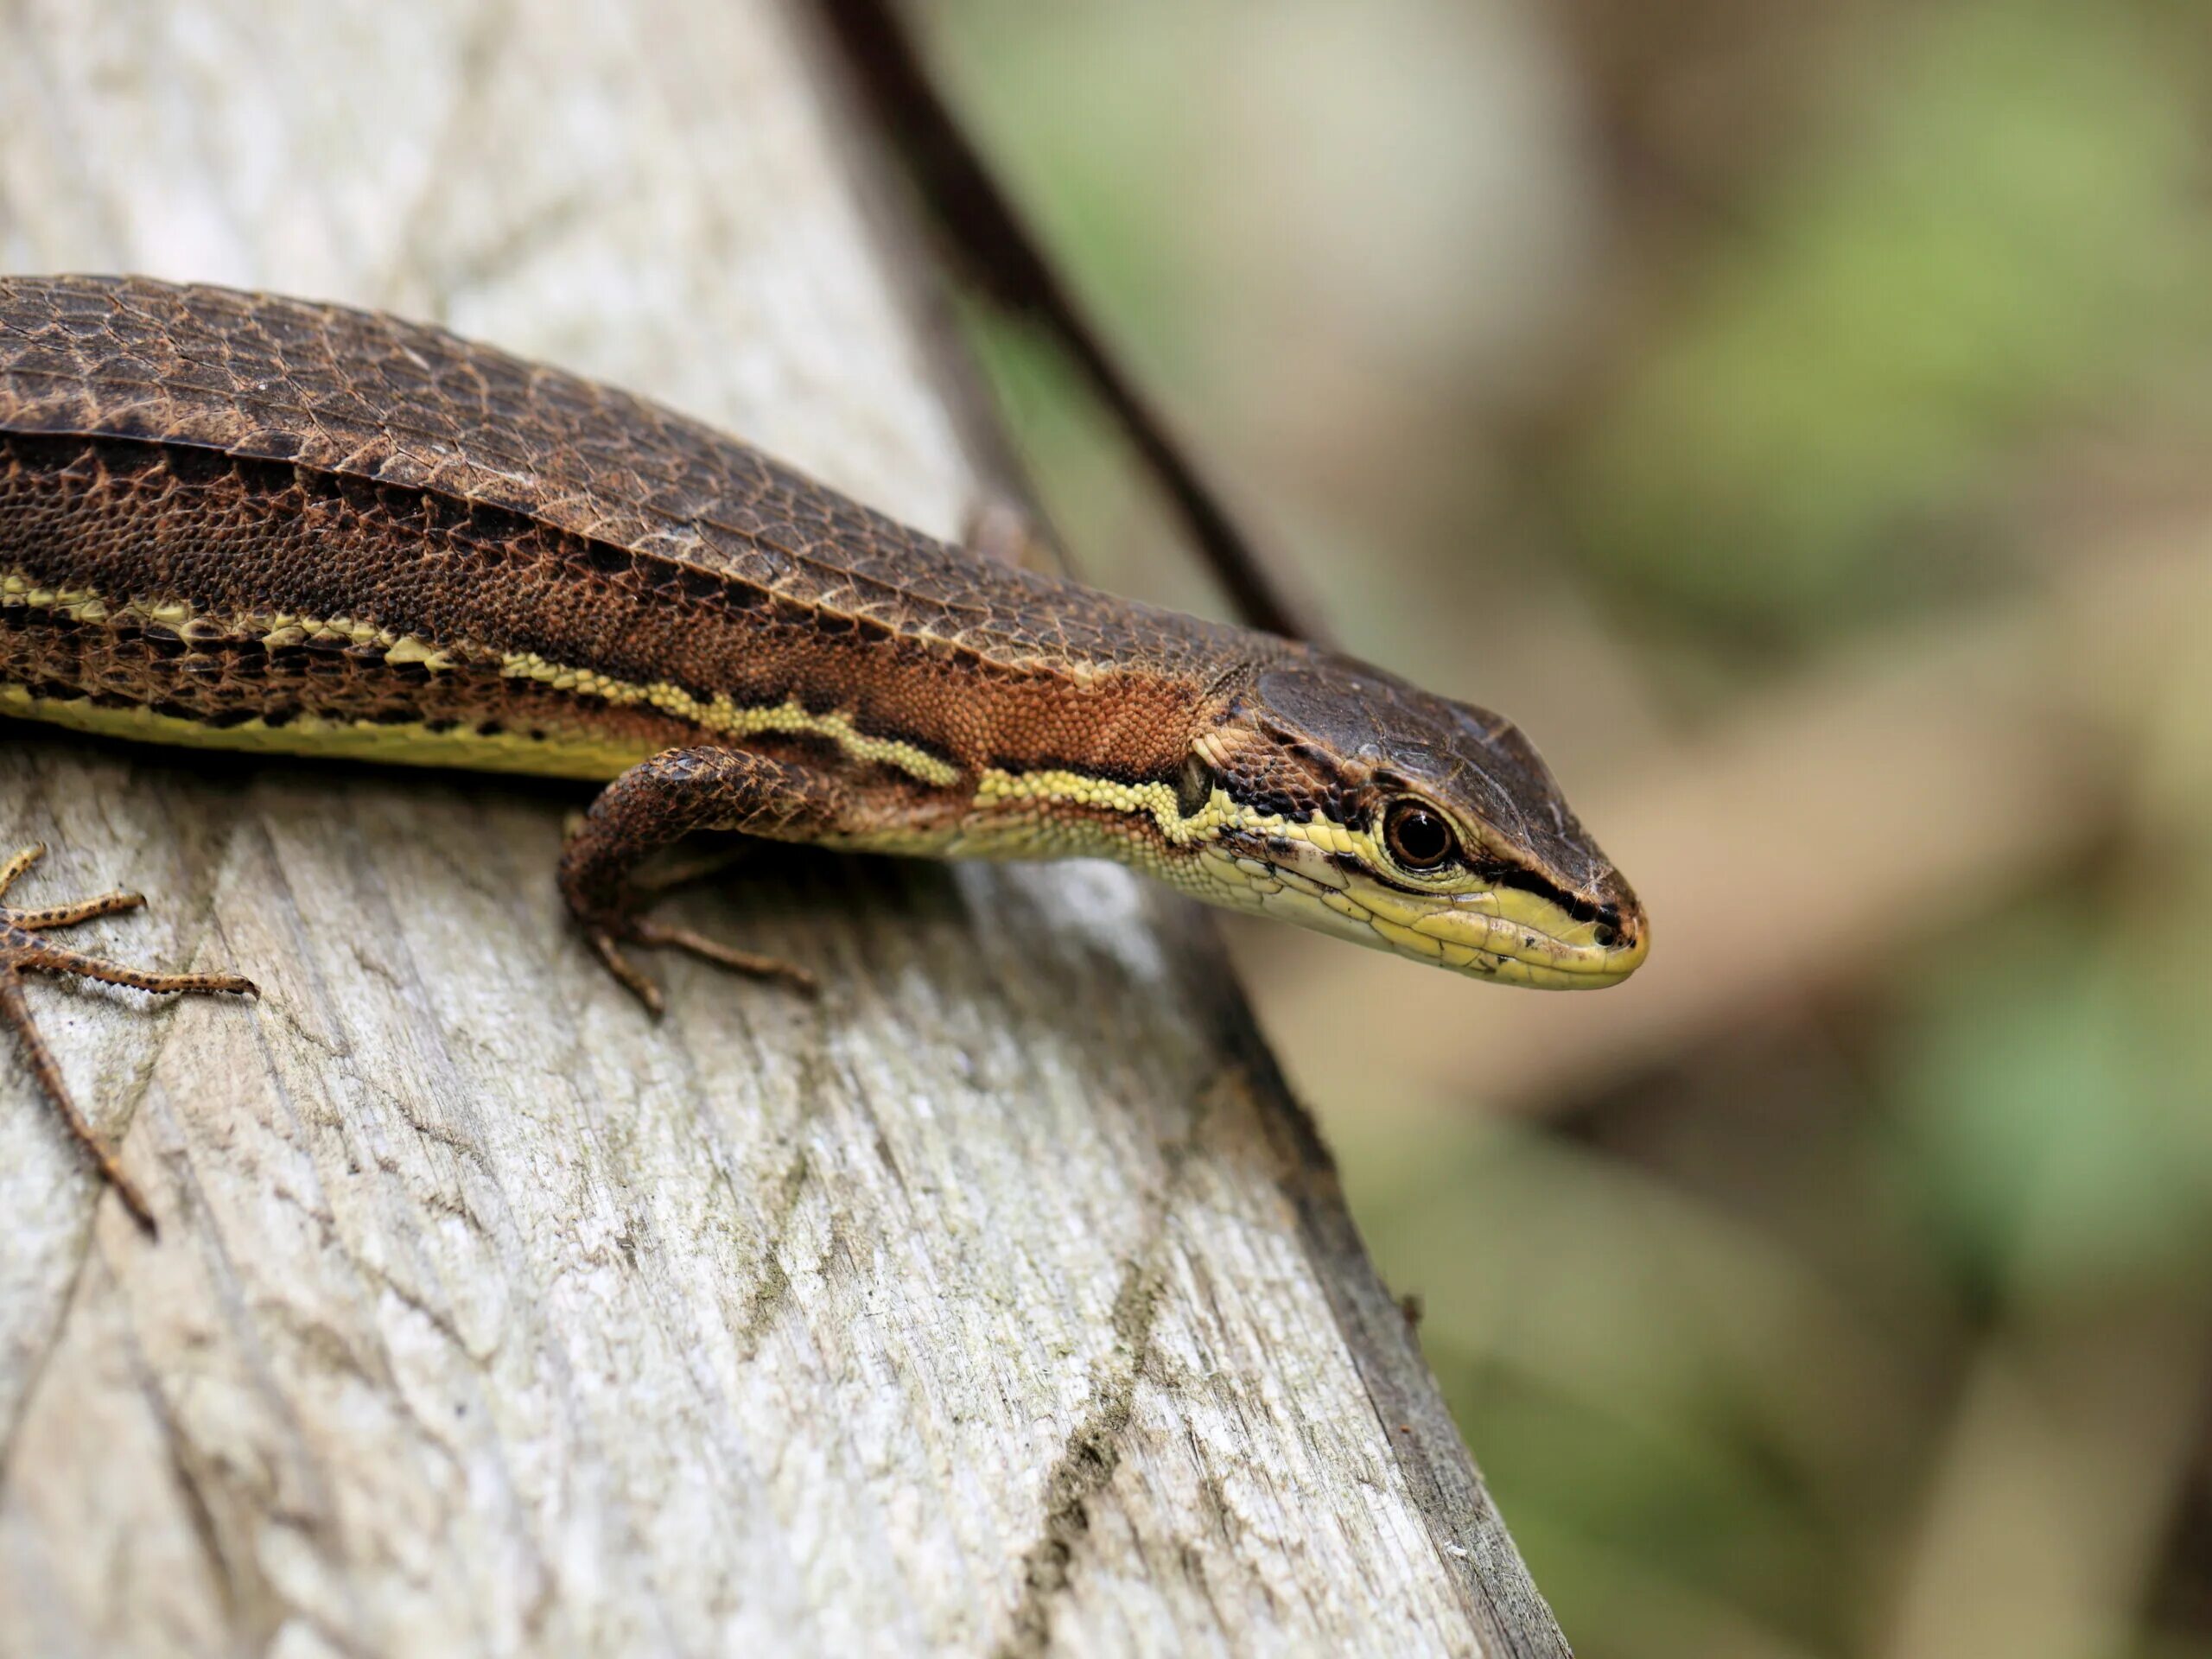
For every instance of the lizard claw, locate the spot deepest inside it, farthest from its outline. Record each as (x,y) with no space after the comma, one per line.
(607,938)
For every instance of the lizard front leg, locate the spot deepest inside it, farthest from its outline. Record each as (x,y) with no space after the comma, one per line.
(656,803)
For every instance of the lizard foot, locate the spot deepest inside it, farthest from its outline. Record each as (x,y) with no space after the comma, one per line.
(24,951)
(608,936)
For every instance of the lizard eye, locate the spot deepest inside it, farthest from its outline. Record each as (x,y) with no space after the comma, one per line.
(1419,837)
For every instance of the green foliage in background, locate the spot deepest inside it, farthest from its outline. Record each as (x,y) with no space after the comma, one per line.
(1995,235)
(2053,1124)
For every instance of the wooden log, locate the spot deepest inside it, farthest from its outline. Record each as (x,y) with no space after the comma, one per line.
(1000,1301)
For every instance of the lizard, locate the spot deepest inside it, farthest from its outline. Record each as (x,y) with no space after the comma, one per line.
(246,522)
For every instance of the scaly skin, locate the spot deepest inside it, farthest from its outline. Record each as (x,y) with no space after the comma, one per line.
(240,521)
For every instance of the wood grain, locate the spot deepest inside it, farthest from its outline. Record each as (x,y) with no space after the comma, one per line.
(1000,1302)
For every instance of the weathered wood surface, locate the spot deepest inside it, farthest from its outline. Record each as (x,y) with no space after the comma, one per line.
(999,1302)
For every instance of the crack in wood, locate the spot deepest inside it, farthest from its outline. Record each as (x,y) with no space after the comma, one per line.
(1086,1464)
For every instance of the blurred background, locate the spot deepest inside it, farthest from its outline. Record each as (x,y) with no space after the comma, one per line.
(1796,419)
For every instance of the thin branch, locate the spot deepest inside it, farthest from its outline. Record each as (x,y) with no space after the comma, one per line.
(998,252)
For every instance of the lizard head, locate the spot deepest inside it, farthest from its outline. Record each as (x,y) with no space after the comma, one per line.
(1350,801)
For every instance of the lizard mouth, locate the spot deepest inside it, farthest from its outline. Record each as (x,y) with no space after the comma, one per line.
(1515,932)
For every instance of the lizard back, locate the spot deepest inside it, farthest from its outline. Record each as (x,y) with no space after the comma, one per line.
(253,521)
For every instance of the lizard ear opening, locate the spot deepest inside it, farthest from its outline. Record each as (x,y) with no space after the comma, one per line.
(1193,785)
